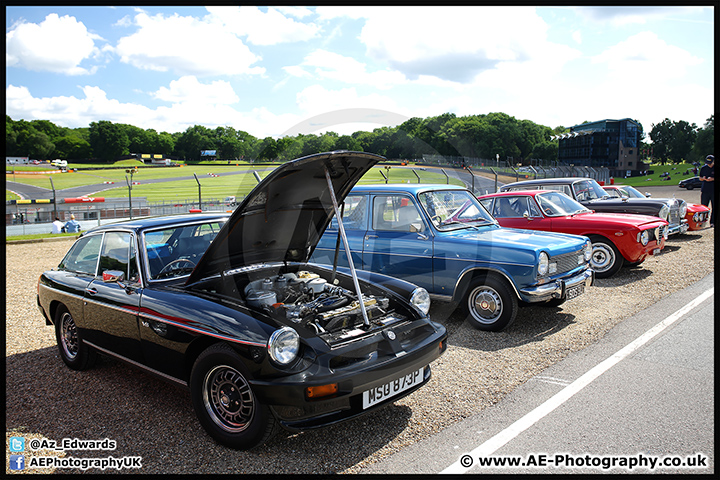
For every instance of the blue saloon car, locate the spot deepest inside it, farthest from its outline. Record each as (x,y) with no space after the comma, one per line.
(439,237)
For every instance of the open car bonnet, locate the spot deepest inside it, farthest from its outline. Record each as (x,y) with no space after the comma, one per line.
(284,216)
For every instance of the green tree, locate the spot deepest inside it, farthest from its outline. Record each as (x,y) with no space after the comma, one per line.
(684,136)
(661,136)
(192,141)
(10,137)
(72,147)
(266,149)
(347,142)
(165,143)
(705,142)
(108,140)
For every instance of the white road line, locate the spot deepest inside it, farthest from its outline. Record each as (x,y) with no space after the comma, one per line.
(505,436)
(553,380)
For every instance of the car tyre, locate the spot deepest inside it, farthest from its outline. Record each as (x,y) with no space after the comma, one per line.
(73,350)
(224,401)
(605,259)
(490,304)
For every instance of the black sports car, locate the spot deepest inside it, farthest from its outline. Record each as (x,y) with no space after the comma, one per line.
(690,183)
(228,306)
(592,196)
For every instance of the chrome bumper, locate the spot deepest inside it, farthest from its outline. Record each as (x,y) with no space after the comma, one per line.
(681,228)
(557,289)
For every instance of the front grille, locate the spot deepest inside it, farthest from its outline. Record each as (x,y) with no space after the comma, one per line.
(567,261)
(674,216)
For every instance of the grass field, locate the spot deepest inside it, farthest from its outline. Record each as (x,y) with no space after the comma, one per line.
(185,187)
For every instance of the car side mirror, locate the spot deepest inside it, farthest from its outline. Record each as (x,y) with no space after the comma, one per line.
(113,276)
(648,194)
(416,227)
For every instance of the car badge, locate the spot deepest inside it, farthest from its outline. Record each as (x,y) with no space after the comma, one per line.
(391,335)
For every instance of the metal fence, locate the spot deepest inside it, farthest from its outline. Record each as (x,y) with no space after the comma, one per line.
(538,169)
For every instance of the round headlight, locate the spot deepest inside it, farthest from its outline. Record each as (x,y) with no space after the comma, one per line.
(587,252)
(420,299)
(644,237)
(284,345)
(696,217)
(683,209)
(543,264)
(664,212)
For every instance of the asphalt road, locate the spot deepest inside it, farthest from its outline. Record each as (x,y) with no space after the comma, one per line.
(644,393)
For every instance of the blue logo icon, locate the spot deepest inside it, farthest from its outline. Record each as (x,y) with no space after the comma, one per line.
(17,444)
(17,462)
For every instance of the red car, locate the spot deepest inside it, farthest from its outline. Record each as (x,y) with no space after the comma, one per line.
(696,214)
(616,238)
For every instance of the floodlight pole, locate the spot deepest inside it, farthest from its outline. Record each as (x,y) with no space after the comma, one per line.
(54,198)
(131,171)
(199,192)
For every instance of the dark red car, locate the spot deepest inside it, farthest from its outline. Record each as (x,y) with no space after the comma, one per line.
(616,238)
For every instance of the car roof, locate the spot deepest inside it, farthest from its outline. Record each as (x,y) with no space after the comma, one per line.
(413,188)
(517,192)
(551,180)
(146,223)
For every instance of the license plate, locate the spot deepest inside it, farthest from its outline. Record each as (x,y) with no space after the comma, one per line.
(575,291)
(390,389)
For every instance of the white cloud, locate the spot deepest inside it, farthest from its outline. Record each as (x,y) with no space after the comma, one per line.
(74,112)
(621,15)
(317,99)
(188,89)
(264,28)
(453,43)
(187,46)
(327,65)
(71,111)
(646,55)
(57,44)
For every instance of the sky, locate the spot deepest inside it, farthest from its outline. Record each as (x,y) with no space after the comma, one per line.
(299,70)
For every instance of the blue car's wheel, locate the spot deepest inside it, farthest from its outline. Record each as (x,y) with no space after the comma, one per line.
(490,304)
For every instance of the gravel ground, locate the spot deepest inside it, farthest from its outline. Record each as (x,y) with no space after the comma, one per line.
(155,420)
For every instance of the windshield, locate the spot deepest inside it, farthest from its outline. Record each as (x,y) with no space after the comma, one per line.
(556,204)
(450,209)
(586,190)
(631,192)
(174,252)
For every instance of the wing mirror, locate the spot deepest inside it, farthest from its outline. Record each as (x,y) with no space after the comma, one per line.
(112,276)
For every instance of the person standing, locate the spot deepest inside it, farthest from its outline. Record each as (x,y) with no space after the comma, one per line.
(57,226)
(707,190)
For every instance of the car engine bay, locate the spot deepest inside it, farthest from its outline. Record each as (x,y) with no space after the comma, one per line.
(307,299)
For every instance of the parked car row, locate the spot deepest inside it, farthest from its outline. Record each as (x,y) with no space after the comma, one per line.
(696,214)
(616,238)
(308,305)
(589,193)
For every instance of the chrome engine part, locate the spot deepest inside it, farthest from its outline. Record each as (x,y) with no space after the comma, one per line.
(306,298)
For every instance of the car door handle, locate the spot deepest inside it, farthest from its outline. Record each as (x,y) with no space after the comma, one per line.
(91,291)
(368,237)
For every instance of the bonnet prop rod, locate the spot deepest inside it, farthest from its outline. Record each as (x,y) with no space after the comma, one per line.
(341,228)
